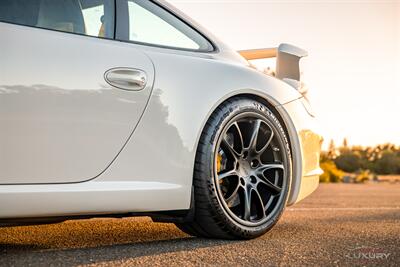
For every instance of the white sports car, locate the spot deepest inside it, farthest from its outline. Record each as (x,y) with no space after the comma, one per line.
(115,108)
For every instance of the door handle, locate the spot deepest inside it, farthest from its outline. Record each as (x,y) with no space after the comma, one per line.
(126,78)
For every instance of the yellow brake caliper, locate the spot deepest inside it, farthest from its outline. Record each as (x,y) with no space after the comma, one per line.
(219,164)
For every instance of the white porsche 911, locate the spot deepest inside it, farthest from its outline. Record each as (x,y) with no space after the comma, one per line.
(116,108)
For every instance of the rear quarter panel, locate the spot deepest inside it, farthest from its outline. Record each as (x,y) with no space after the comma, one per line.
(187,89)
(306,142)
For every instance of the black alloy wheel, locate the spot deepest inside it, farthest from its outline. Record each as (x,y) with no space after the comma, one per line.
(242,172)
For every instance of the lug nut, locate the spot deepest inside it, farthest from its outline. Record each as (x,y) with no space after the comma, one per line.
(254,163)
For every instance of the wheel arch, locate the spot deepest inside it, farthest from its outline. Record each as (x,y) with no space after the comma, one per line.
(272,104)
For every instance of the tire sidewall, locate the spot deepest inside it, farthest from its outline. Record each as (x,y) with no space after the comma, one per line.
(235,108)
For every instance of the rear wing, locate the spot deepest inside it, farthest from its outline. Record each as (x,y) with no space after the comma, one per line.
(287,59)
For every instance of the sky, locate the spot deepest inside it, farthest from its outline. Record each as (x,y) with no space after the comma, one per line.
(353,68)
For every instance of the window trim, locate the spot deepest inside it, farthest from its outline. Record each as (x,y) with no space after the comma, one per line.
(122,28)
(73,33)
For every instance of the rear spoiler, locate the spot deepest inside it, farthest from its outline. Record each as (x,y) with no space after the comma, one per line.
(287,59)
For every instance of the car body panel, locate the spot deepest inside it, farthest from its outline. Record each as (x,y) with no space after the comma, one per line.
(170,179)
(89,198)
(61,122)
(154,170)
(178,110)
(306,144)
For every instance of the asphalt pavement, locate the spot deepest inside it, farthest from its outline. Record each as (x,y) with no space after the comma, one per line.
(338,225)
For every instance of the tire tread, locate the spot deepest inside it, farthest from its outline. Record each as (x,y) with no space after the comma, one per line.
(209,221)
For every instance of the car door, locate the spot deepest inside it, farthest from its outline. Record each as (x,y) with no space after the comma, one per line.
(70,95)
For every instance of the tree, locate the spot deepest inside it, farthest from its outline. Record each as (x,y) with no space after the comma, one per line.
(349,161)
(345,143)
(388,163)
(380,159)
(332,153)
(345,146)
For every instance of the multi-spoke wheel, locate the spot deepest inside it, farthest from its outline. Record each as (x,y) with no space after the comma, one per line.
(249,170)
(242,174)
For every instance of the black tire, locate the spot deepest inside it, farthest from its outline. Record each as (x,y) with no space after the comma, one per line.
(214,216)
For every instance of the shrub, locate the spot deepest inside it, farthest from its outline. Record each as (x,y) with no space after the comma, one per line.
(331,173)
(348,162)
(388,163)
(363,176)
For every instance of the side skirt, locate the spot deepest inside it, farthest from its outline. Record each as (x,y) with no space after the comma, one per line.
(59,202)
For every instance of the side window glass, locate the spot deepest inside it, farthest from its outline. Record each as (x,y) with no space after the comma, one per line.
(87,17)
(99,18)
(150,24)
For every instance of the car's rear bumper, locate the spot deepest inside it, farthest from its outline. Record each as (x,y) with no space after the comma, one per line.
(306,147)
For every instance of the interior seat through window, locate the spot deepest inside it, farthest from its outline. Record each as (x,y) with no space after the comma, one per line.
(61,15)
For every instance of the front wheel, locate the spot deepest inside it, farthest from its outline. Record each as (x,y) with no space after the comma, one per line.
(242,172)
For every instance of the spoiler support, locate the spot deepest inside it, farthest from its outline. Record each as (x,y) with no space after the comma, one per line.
(287,59)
